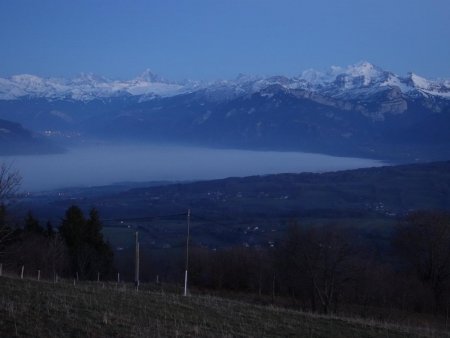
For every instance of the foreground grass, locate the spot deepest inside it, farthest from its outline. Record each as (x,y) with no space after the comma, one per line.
(43,309)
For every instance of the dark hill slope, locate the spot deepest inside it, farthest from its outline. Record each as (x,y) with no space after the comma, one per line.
(14,139)
(42,309)
(386,190)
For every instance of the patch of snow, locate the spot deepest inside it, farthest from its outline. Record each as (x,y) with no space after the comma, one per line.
(267,95)
(437,93)
(364,69)
(395,81)
(420,82)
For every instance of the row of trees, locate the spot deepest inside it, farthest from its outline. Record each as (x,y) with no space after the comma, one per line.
(89,253)
(331,268)
(77,248)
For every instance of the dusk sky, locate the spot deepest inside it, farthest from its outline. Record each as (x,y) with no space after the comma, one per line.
(213,39)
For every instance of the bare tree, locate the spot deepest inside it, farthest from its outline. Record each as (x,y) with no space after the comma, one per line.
(56,255)
(10,181)
(38,251)
(423,241)
(317,262)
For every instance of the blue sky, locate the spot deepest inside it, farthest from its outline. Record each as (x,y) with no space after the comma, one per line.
(213,39)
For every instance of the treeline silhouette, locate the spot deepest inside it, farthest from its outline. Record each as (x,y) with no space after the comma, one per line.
(327,269)
(75,249)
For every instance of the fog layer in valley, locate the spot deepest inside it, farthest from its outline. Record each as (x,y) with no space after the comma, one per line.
(108,164)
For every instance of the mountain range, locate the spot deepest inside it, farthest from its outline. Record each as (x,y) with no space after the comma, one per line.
(351,82)
(361,110)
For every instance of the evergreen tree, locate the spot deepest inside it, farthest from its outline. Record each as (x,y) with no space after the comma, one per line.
(32,224)
(49,231)
(94,228)
(2,214)
(89,252)
(73,227)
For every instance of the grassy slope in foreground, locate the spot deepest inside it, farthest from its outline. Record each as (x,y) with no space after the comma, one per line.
(42,309)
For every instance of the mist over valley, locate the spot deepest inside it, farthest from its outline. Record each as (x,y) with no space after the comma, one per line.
(106,164)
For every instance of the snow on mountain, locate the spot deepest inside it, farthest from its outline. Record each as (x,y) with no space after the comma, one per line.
(360,74)
(353,82)
(420,82)
(148,76)
(427,87)
(86,87)
(368,72)
(363,77)
(395,81)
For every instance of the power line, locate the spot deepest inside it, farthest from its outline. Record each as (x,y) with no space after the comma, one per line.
(142,219)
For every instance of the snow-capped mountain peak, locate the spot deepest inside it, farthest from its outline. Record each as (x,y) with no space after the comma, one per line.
(367,71)
(89,78)
(148,76)
(85,87)
(419,82)
(364,78)
(355,81)
(363,73)
(26,78)
(318,78)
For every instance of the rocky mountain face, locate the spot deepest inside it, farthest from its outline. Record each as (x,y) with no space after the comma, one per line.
(360,110)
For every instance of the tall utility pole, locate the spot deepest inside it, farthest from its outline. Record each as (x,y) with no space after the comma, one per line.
(136,267)
(187,251)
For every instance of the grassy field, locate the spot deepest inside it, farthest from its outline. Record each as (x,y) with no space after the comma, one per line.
(43,309)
